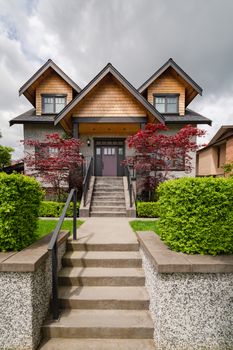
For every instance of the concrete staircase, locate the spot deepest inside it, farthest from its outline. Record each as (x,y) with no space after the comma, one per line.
(103,299)
(108,197)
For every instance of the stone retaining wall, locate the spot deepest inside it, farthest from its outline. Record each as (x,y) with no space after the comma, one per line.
(25,290)
(190,310)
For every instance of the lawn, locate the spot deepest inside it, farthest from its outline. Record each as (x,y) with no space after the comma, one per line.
(147,225)
(46,226)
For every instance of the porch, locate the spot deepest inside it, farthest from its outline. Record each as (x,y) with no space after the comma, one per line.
(103,139)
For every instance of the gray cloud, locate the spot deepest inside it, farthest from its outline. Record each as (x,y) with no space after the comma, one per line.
(137,36)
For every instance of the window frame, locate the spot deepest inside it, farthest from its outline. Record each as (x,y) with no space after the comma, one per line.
(166,96)
(54,96)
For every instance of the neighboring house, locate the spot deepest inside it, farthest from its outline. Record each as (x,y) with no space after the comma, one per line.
(107,110)
(210,159)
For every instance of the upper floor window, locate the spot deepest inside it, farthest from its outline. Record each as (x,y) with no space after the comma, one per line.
(53,104)
(166,104)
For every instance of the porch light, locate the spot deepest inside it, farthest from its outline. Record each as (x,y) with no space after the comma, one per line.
(88,142)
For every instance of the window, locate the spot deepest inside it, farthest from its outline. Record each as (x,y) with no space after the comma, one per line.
(108,151)
(53,104)
(166,104)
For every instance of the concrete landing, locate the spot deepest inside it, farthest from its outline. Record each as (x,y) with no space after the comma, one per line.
(106,230)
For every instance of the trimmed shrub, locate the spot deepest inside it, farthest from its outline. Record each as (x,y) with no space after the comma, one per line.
(147,209)
(20,198)
(54,209)
(196,215)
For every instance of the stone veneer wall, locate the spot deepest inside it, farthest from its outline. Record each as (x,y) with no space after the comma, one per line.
(190,311)
(24,304)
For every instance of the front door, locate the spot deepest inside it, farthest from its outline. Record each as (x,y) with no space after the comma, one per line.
(109,154)
(109,161)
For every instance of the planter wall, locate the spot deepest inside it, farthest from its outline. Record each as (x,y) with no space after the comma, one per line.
(190,297)
(25,290)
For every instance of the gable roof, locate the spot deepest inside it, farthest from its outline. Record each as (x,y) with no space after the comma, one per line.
(221,135)
(109,69)
(48,65)
(224,132)
(178,69)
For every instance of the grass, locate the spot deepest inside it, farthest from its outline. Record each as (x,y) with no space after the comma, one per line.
(46,226)
(140,225)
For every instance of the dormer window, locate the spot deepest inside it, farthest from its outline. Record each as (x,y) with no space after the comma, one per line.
(53,104)
(166,104)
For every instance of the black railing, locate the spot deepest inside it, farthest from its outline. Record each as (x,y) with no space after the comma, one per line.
(86,181)
(54,248)
(130,186)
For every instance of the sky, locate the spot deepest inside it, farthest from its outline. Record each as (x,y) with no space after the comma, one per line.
(136,36)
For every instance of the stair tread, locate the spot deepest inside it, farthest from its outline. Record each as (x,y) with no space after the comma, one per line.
(98,344)
(84,244)
(101,272)
(81,318)
(109,206)
(79,254)
(106,212)
(103,293)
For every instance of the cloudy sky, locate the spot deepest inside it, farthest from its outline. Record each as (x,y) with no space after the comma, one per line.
(137,36)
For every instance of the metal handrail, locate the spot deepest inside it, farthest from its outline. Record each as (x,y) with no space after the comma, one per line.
(53,248)
(130,186)
(86,181)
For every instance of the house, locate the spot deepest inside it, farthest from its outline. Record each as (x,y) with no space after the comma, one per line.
(107,110)
(219,151)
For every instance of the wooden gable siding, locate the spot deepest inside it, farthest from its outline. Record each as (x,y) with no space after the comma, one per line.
(167,84)
(109,99)
(52,84)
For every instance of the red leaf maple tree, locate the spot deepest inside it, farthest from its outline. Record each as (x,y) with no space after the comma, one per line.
(157,153)
(56,161)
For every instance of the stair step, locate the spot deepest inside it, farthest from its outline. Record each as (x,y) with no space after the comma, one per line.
(92,276)
(107,186)
(127,298)
(97,344)
(108,191)
(109,196)
(122,324)
(107,214)
(115,208)
(108,202)
(102,259)
(108,178)
(81,244)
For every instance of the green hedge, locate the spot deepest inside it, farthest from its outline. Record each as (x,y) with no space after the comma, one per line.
(54,209)
(147,209)
(196,215)
(20,198)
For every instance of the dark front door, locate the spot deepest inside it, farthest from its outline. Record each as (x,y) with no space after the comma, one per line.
(109,161)
(109,154)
